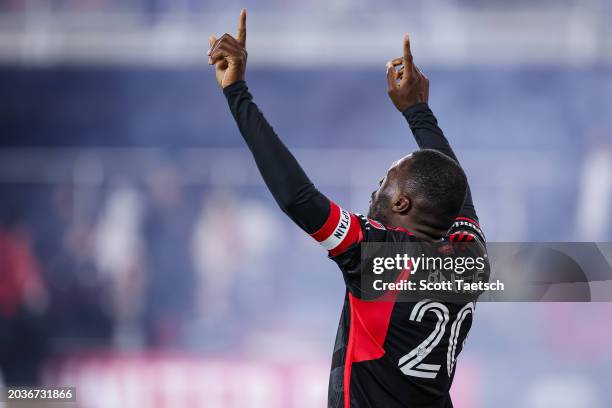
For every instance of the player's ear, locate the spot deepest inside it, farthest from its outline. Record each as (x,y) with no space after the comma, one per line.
(401,204)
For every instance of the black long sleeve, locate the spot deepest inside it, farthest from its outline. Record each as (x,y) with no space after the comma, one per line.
(428,135)
(291,188)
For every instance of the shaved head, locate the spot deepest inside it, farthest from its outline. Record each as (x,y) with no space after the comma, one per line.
(426,185)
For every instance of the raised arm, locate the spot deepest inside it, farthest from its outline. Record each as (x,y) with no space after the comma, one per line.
(428,135)
(291,188)
(408,89)
(284,177)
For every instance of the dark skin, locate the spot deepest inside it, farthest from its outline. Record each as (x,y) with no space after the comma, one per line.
(229,55)
(406,84)
(392,203)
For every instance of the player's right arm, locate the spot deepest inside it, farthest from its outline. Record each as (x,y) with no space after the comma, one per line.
(336,229)
(408,89)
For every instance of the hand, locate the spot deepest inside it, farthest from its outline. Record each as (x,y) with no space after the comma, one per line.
(407,86)
(229,55)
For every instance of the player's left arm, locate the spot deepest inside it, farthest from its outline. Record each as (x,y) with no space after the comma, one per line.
(408,89)
(335,228)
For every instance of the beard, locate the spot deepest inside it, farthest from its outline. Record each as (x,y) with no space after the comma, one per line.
(378,210)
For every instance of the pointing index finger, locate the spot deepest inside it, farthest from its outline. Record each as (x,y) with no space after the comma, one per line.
(407,53)
(241,36)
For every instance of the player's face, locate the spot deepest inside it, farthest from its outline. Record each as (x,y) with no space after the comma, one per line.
(388,187)
(379,204)
(380,201)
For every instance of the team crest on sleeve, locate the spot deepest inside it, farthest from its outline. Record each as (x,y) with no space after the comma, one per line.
(376,224)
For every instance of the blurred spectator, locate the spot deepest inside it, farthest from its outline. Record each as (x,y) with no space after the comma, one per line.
(23,301)
(79,313)
(119,257)
(234,240)
(170,274)
(217,254)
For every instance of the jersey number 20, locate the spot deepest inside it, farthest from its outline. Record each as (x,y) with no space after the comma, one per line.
(411,364)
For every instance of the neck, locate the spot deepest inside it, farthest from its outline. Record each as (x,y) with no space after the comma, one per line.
(427,233)
(421,230)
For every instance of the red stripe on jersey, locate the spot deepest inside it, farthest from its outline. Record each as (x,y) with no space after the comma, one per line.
(369,326)
(457,236)
(329,226)
(402,229)
(353,236)
(462,237)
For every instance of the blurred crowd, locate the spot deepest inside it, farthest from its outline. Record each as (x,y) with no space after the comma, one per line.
(126,267)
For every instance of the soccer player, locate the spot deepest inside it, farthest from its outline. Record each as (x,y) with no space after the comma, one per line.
(387,354)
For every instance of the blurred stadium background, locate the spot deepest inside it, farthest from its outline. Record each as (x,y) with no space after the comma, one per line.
(142,259)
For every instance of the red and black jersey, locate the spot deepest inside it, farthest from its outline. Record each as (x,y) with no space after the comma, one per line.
(389,353)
